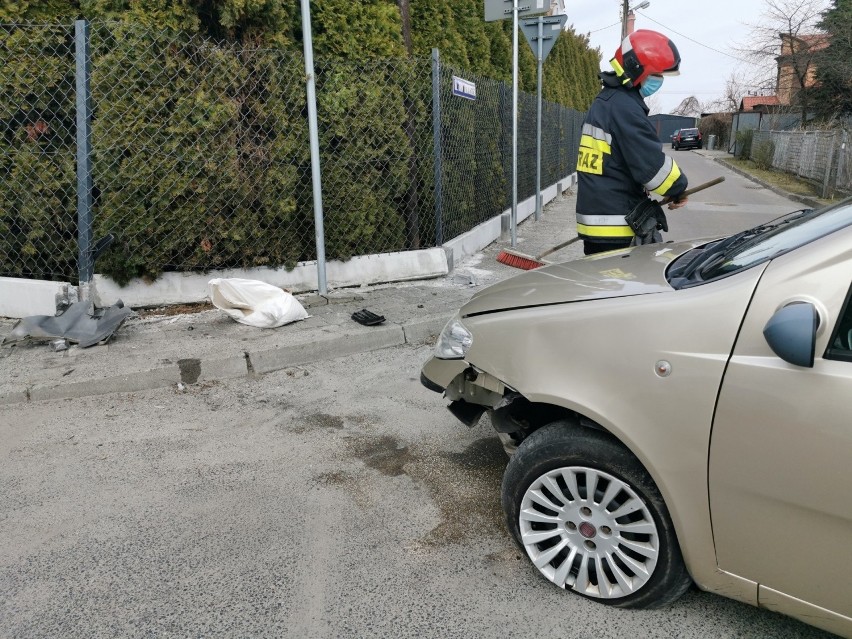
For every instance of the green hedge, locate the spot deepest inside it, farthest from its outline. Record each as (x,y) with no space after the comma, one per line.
(201,158)
(199,154)
(38,219)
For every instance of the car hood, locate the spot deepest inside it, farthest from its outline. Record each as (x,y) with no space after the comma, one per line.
(637,270)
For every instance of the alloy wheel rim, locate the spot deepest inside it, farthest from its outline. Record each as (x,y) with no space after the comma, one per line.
(589,531)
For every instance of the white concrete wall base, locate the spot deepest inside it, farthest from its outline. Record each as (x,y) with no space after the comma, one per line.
(481,236)
(23,298)
(182,288)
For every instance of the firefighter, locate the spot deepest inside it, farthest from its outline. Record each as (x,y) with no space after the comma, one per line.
(620,158)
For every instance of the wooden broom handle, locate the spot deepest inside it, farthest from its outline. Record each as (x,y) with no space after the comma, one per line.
(696,189)
(686,193)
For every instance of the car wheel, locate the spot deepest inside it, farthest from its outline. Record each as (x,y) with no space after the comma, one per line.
(591,518)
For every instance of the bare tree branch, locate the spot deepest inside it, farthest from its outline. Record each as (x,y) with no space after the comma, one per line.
(690,107)
(783,46)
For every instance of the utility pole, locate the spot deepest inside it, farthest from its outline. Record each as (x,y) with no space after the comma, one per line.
(627,16)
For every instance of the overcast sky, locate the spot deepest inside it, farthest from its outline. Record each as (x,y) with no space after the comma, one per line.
(704,32)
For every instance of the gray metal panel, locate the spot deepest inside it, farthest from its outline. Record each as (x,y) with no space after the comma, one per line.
(666,124)
(552,27)
(502,9)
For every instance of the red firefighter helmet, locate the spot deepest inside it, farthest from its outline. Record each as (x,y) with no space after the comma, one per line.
(643,53)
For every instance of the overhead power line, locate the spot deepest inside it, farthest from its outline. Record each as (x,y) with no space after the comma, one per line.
(743,60)
(607,27)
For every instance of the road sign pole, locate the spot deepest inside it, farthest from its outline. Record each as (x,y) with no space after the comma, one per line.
(538,123)
(534,30)
(514,221)
(495,10)
(313,134)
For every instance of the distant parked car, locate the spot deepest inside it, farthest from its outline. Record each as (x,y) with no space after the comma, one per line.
(674,135)
(686,139)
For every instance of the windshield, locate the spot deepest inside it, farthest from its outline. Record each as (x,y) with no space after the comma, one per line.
(759,244)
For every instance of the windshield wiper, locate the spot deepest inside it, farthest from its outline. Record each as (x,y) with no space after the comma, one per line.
(713,252)
(748,236)
(719,252)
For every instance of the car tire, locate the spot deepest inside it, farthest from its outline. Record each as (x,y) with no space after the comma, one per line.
(584,537)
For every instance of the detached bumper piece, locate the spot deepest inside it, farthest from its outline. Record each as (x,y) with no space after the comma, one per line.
(81,323)
(428,383)
(367,318)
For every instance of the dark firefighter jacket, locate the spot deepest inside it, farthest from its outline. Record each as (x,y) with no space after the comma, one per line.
(620,156)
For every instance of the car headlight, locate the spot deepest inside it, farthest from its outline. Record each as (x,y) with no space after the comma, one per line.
(454,341)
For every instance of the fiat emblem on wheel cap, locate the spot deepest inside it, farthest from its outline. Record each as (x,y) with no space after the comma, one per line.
(587,530)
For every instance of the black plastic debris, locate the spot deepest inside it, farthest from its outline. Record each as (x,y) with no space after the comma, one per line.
(81,323)
(367,318)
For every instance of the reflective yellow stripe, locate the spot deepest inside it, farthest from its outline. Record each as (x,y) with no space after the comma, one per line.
(597,145)
(605,231)
(674,174)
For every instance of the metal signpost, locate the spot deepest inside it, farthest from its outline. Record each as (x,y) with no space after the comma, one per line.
(500,10)
(541,33)
(313,128)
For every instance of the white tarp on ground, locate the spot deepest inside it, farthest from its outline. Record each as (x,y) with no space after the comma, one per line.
(255,303)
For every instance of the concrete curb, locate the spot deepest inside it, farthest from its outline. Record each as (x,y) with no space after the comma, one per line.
(13,397)
(813,203)
(275,359)
(246,364)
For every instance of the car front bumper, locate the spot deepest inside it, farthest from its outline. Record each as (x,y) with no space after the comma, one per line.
(437,374)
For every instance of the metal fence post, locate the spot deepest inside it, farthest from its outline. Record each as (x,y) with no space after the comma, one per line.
(436,137)
(827,187)
(84,157)
(316,178)
(842,153)
(514,219)
(538,120)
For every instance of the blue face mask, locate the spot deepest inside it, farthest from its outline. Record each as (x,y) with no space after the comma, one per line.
(651,85)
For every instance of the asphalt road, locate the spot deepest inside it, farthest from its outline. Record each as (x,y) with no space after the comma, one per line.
(726,208)
(337,499)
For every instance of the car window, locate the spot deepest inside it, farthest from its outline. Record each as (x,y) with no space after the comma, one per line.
(689,131)
(840,345)
(748,248)
(780,238)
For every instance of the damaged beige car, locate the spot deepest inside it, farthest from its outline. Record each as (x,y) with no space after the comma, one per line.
(675,412)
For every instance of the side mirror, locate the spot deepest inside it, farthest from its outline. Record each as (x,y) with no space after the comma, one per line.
(791,333)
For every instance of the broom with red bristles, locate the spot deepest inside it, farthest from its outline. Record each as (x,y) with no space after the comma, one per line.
(529,263)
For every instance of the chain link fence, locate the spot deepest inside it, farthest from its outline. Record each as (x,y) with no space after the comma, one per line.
(199,154)
(822,157)
(476,143)
(38,202)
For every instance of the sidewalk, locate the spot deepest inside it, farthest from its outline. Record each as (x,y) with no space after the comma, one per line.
(161,351)
(722,158)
